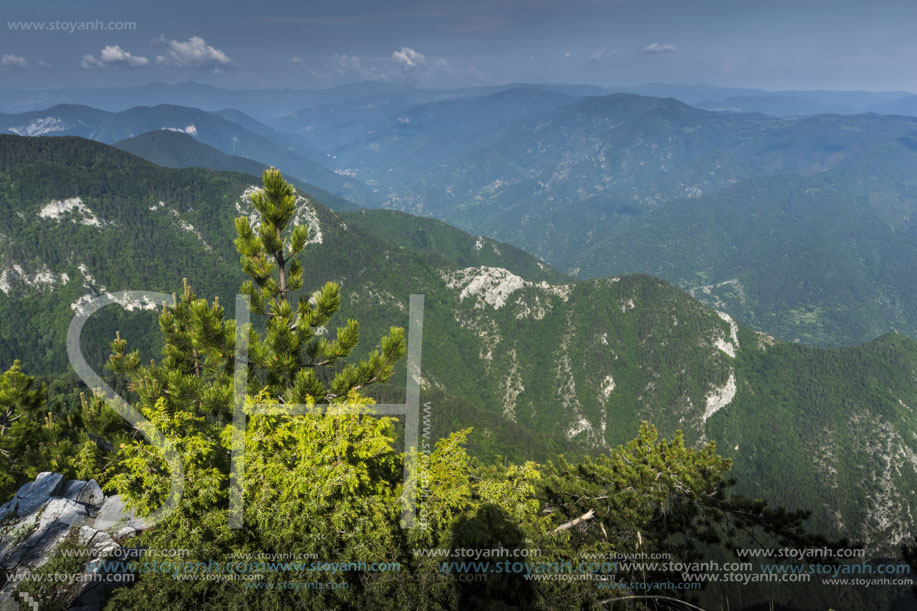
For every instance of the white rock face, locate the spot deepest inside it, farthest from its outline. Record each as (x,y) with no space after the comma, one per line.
(721,343)
(90,284)
(44,513)
(131,305)
(32,495)
(305,214)
(188,129)
(608,385)
(244,205)
(56,209)
(493,286)
(580,426)
(84,271)
(725,346)
(512,388)
(188,227)
(889,519)
(40,127)
(41,279)
(720,397)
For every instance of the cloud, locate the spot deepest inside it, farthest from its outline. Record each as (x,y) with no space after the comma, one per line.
(297,60)
(43,64)
(193,53)
(10,62)
(344,65)
(602,54)
(113,55)
(341,63)
(403,64)
(656,48)
(408,57)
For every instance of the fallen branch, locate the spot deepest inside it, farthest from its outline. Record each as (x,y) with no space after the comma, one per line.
(567,525)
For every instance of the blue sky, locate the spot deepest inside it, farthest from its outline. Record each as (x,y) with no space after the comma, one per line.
(769,44)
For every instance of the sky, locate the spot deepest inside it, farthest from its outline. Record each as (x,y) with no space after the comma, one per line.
(766,44)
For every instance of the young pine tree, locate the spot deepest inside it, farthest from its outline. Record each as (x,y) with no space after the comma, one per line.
(325,485)
(35,437)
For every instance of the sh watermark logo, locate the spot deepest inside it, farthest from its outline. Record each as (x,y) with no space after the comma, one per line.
(409,410)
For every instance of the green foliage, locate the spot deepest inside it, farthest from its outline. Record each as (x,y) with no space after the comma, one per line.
(841,277)
(328,484)
(45,583)
(40,435)
(332,467)
(444,244)
(658,496)
(21,413)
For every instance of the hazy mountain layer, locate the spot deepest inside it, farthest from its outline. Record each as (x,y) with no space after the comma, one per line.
(233,136)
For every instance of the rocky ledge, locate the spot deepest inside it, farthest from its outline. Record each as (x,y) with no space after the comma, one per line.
(45,513)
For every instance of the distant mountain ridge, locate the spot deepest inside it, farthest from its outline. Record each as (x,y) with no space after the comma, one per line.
(229,136)
(174,149)
(267,104)
(570,183)
(562,173)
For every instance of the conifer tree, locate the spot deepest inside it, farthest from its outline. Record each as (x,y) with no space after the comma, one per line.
(22,404)
(35,437)
(324,484)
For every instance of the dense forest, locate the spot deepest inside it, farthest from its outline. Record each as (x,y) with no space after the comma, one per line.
(330,484)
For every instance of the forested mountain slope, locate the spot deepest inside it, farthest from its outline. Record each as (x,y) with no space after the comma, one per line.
(546,363)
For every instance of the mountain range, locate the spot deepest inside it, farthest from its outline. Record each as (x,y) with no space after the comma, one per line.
(538,362)
(231,132)
(176,149)
(268,104)
(582,183)
(600,185)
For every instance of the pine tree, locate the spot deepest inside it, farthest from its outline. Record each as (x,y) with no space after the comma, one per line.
(22,409)
(310,478)
(36,437)
(291,354)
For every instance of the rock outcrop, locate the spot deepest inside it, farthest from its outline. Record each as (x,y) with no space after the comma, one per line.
(45,513)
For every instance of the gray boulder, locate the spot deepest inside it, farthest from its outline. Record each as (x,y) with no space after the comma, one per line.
(33,495)
(49,510)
